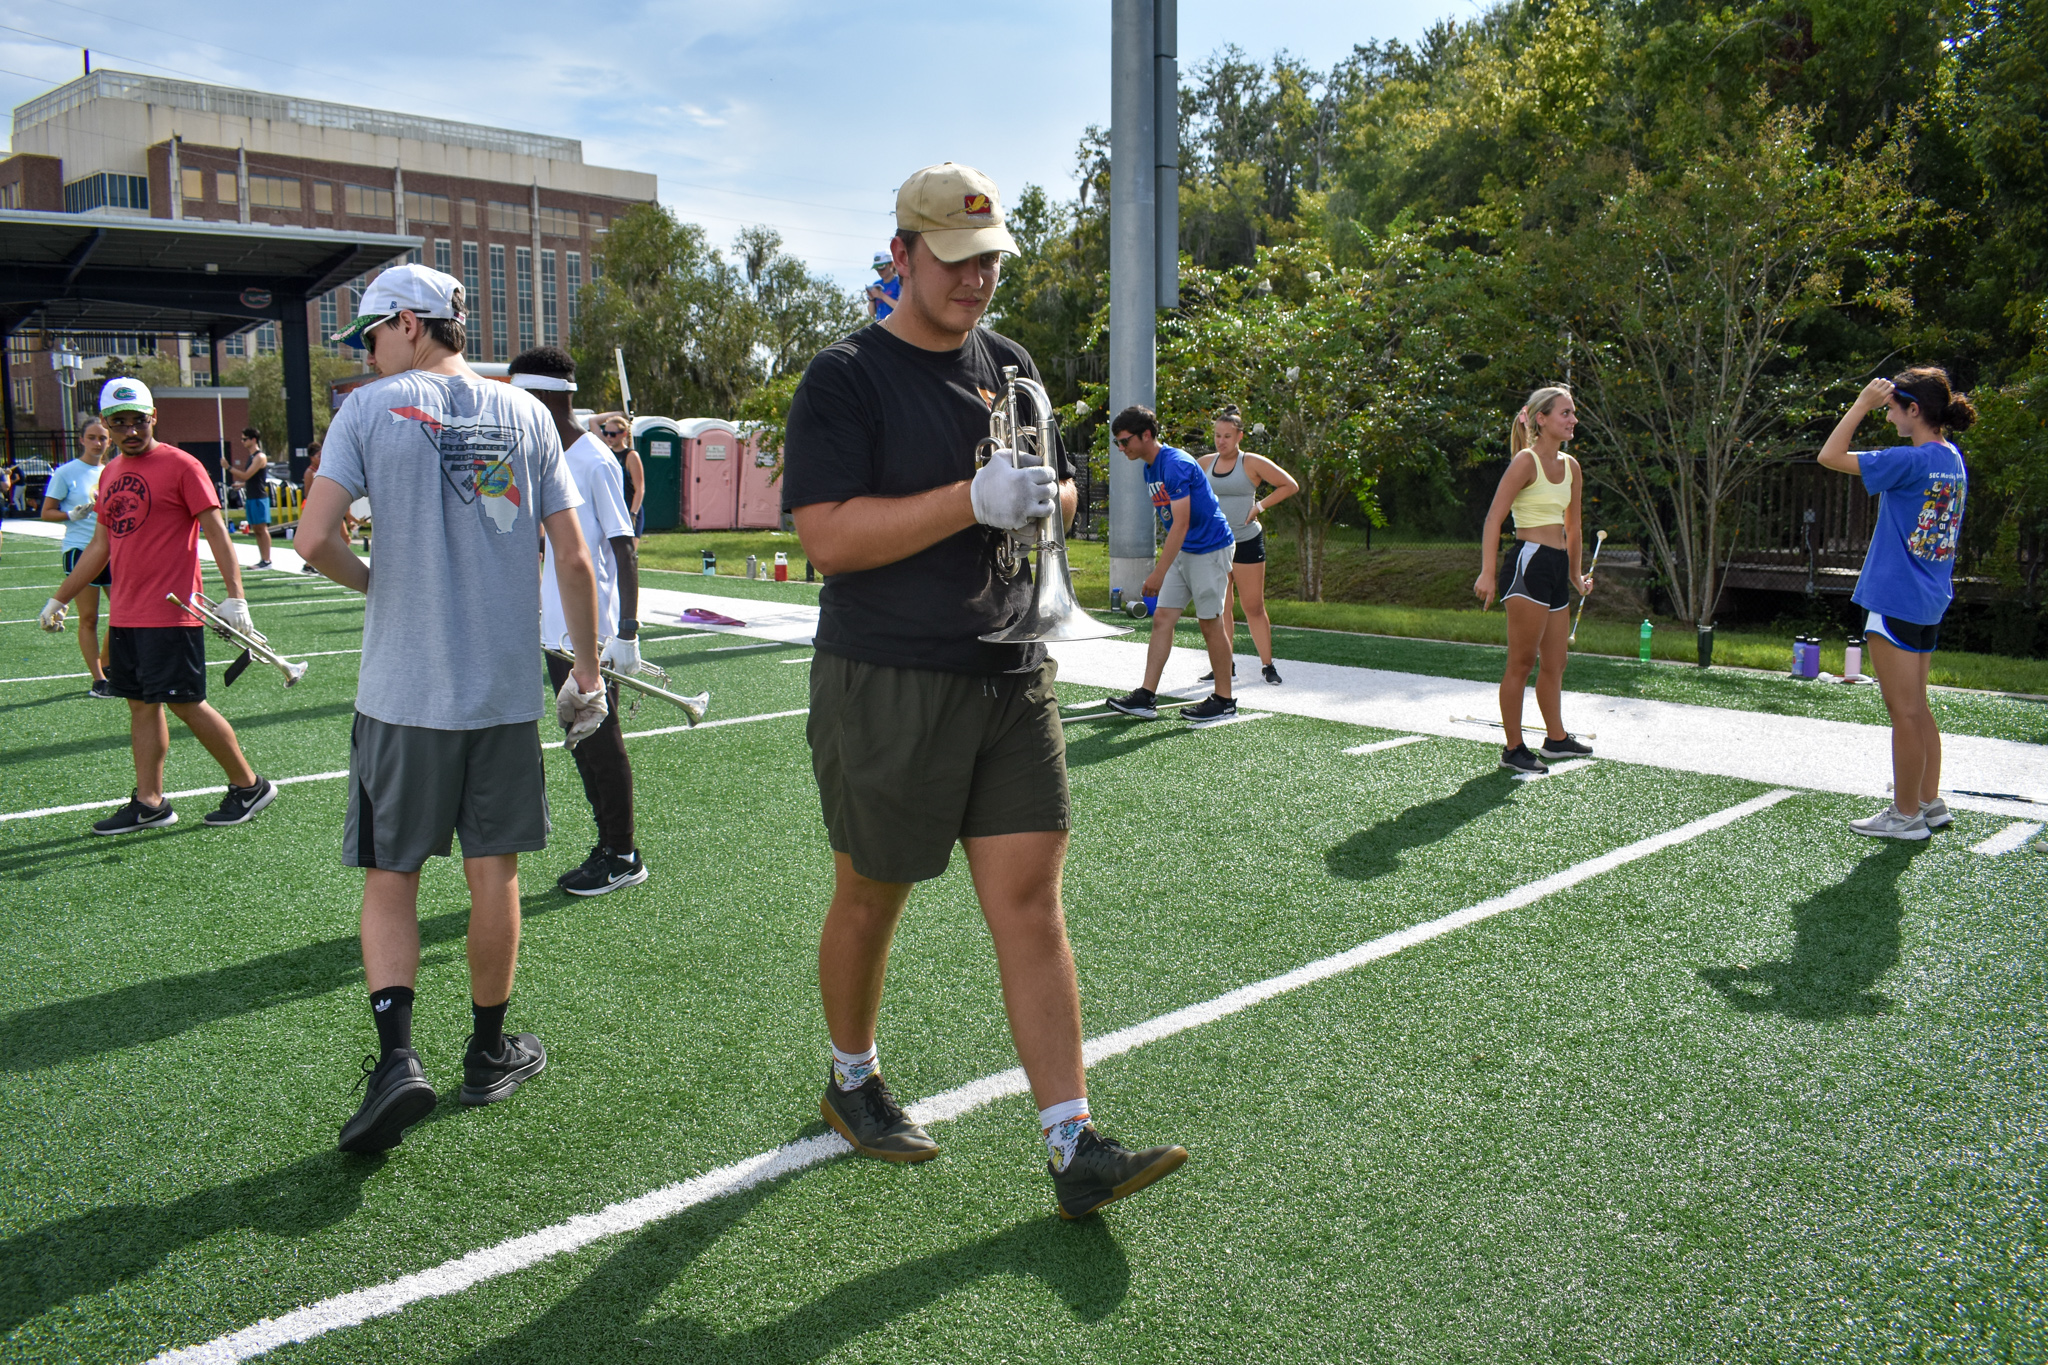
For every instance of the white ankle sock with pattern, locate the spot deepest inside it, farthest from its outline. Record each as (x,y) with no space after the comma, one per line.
(851,1069)
(1063,1125)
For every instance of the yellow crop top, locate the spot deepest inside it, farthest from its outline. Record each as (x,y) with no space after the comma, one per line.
(1543,503)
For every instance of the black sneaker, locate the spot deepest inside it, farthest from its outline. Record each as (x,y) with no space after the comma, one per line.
(603,871)
(1138,703)
(102,689)
(1211,712)
(488,1077)
(1568,747)
(262,563)
(307,568)
(240,805)
(874,1123)
(1103,1171)
(395,1097)
(1521,760)
(1210,676)
(135,816)
(1270,674)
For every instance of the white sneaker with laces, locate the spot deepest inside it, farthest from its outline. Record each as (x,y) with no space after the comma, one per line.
(1889,823)
(1935,813)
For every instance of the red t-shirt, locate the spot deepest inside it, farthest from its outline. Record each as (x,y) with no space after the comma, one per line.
(150,505)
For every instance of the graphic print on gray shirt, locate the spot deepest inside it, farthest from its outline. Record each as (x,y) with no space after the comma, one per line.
(460,471)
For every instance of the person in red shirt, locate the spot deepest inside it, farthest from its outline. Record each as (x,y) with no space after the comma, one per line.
(154,500)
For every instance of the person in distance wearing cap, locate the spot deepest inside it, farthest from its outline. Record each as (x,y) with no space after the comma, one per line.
(884,292)
(465,473)
(154,502)
(921,733)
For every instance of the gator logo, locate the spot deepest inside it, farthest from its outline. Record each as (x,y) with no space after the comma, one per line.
(126,394)
(977,205)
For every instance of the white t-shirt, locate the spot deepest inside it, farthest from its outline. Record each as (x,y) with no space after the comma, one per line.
(597,476)
(74,484)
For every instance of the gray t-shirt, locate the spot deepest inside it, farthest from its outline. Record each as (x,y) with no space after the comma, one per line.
(460,472)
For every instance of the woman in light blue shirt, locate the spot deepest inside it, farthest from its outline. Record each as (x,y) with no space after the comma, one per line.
(69,497)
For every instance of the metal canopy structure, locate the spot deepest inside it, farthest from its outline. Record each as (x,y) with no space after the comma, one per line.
(72,272)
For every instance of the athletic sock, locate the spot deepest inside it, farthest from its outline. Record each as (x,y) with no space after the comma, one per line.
(850,1070)
(487,1022)
(391,1012)
(1063,1125)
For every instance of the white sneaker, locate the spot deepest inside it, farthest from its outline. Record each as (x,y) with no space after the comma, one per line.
(1935,813)
(1889,824)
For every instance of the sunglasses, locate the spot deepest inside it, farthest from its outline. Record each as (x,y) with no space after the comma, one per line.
(614,431)
(1123,440)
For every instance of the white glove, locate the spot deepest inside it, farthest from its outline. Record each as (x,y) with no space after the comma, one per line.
(621,656)
(51,617)
(80,512)
(580,713)
(235,611)
(1007,497)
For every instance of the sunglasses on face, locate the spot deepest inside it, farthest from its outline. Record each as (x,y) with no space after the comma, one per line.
(1123,440)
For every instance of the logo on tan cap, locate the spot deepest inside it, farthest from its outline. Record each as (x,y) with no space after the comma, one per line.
(957,210)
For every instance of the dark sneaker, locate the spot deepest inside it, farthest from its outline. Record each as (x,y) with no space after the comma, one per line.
(240,805)
(103,689)
(1935,813)
(1104,1170)
(603,871)
(1138,703)
(262,563)
(1270,674)
(135,816)
(874,1123)
(1568,747)
(395,1097)
(488,1077)
(1522,761)
(307,568)
(1210,676)
(1211,712)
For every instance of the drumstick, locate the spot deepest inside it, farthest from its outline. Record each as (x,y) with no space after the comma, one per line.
(1599,540)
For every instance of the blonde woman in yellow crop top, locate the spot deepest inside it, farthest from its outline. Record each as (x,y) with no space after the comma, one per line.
(1541,489)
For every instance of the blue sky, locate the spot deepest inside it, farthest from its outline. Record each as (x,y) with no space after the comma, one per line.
(804,116)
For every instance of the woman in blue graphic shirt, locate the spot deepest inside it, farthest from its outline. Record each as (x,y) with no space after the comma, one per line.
(1905,586)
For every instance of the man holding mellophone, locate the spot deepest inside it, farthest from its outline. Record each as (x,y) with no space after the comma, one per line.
(921,732)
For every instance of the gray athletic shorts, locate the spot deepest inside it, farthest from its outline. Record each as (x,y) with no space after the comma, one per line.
(410,789)
(1199,579)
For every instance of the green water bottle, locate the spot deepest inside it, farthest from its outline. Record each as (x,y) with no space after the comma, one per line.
(1643,649)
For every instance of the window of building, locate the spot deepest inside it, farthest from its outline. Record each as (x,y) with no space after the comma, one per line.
(273,192)
(25,397)
(522,257)
(233,345)
(596,267)
(323,197)
(443,250)
(471,297)
(597,227)
(426,208)
(113,343)
(10,195)
(330,321)
(20,348)
(266,339)
(107,191)
(550,325)
(469,213)
(412,256)
(225,190)
(575,264)
(365,201)
(509,218)
(192,183)
(560,222)
(498,348)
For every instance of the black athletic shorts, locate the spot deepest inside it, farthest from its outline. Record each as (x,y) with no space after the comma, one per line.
(1539,573)
(157,663)
(106,577)
(1251,551)
(1910,636)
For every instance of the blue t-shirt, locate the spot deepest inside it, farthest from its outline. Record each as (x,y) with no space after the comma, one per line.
(1920,492)
(1173,475)
(893,287)
(76,483)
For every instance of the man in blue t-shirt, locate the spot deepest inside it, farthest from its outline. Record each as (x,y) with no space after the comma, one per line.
(1193,567)
(888,288)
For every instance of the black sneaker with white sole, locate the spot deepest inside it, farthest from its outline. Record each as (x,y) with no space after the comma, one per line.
(101,689)
(869,1117)
(1270,674)
(1214,711)
(240,805)
(1568,747)
(1103,1171)
(395,1097)
(1521,760)
(1138,702)
(1210,676)
(262,564)
(488,1077)
(603,871)
(136,816)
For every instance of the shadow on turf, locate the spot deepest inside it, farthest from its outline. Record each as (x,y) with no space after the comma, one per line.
(243,724)
(1845,939)
(1376,850)
(1121,737)
(150,1011)
(616,1313)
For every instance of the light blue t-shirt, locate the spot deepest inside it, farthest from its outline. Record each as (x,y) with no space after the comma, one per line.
(460,471)
(1173,475)
(1908,569)
(76,483)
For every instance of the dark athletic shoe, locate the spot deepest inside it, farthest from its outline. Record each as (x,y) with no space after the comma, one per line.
(1270,674)
(603,871)
(874,1123)
(103,689)
(1521,760)
(1138,703)
(307,568)
(395,1097)
(1216,709)
(135,816)
(1210,676)
(1568,747)
(488,1077)
(1104,1170)
(240,805)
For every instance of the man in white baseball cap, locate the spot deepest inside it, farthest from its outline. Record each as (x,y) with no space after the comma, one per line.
(415,289)
(883,293)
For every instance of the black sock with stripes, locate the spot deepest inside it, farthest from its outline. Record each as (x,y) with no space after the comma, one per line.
(391,1011)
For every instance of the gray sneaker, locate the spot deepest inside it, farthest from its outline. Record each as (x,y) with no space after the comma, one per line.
(1889,824)
(1935,813)
(1104,1170)
(870,1119)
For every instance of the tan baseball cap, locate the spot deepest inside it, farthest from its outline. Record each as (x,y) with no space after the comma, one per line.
(957,210)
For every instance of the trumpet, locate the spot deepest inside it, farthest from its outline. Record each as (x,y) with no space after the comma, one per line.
(253,646)
(693,707)
(1054,614)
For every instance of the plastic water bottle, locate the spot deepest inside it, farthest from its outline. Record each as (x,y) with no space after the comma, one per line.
(1643,648)
(753,566)
(1852,659)
(710,563)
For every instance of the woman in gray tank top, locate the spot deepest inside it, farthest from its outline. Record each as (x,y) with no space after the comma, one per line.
(1235,476)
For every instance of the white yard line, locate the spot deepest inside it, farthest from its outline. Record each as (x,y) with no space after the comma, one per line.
(518,1253)
(806,659)
(772,644)
(665,639)
(2013,836)
(1377,745)
(211,663)
(1556,769)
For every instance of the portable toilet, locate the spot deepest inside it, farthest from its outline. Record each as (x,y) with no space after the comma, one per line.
(660,443)
(711,473)
(760,500)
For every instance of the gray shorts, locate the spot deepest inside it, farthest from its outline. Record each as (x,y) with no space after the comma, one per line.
(1199,579)
(410,789)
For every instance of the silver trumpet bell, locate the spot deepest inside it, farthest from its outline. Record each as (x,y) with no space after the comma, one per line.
(1054,614)
(648,683)
(207,611)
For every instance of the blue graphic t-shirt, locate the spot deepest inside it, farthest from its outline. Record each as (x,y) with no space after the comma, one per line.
(1920,492)
(893,287)
(1173,475)
(75,484)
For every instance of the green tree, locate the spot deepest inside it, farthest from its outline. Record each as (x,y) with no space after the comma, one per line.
(263,375)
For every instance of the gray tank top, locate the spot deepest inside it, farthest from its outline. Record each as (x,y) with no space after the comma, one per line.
(1235,493)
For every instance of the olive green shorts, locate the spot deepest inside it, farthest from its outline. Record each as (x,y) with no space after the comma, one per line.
(911,760)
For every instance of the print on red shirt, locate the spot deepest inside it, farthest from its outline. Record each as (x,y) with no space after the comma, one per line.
(150,505)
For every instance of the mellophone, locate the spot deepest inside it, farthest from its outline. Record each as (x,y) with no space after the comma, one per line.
(693,707)
(253,646)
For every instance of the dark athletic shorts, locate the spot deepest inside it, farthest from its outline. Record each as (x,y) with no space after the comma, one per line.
(1251,551)
(158,664)
(106,576)
(910,760)
(410,789)
(1910,636)
(1540,573)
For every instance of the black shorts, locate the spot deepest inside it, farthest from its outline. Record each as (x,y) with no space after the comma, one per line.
(1910,636)
(1251,551)
(1540,573)
(160,664)
(106,577)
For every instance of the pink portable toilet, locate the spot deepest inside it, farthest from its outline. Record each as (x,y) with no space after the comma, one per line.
(711,473)
(760,497)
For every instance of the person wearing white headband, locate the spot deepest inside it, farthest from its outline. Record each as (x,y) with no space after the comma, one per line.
(540,383)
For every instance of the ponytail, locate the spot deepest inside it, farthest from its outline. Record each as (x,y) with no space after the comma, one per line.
(1540,402)
(1928,386)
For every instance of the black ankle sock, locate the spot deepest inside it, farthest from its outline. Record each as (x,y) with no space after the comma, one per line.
(391,1011)
(488,1025)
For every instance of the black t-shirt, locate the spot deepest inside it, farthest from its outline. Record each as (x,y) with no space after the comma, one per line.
(878,417)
